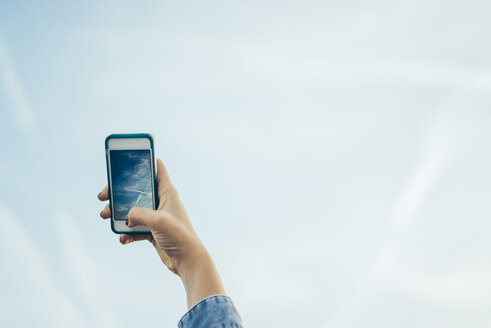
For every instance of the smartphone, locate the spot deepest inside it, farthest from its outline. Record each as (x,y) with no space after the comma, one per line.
(131,178)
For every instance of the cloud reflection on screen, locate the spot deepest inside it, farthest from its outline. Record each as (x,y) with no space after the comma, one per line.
(131,181)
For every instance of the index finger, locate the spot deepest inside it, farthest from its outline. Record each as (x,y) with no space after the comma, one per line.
(103,195)
(163,177)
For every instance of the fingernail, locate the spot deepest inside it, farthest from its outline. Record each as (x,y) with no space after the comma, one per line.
(101,212)
(126,222)
(99,195)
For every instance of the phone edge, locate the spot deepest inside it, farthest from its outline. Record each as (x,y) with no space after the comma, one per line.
(149,136)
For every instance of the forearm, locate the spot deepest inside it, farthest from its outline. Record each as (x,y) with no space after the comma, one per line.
(200,278)
(207,303)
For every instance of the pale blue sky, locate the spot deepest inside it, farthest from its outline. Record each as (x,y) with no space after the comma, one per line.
(334,157)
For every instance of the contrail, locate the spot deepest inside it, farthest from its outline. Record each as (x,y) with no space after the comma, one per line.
(138,191)
(84,272)
(142,193)
(409,203)
(38,283)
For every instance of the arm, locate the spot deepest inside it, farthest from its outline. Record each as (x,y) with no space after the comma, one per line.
(175,240)
(184,254)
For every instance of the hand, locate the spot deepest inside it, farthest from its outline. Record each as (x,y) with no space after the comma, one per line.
(174,238)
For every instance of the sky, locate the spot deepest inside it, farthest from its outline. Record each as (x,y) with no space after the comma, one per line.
(131,181)
(333,157)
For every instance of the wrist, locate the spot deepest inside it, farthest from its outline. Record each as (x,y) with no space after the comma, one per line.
(200,277)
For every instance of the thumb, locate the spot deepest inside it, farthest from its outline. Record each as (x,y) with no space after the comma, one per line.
(142,216)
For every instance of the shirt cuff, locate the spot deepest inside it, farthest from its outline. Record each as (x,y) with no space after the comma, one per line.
(212,311)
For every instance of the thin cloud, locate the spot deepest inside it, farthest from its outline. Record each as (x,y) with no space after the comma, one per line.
(413,196)
(38,285)
(137,190)
(84,272)
(20,104)
(267,64)
(134,184)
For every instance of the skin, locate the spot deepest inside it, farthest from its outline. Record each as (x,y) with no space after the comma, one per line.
(174,239)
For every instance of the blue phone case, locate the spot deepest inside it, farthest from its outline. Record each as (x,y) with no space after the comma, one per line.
(126,136)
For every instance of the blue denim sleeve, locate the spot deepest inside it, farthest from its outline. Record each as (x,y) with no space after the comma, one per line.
(215,311)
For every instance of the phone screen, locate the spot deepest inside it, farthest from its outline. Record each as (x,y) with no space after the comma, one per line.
(131,179)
